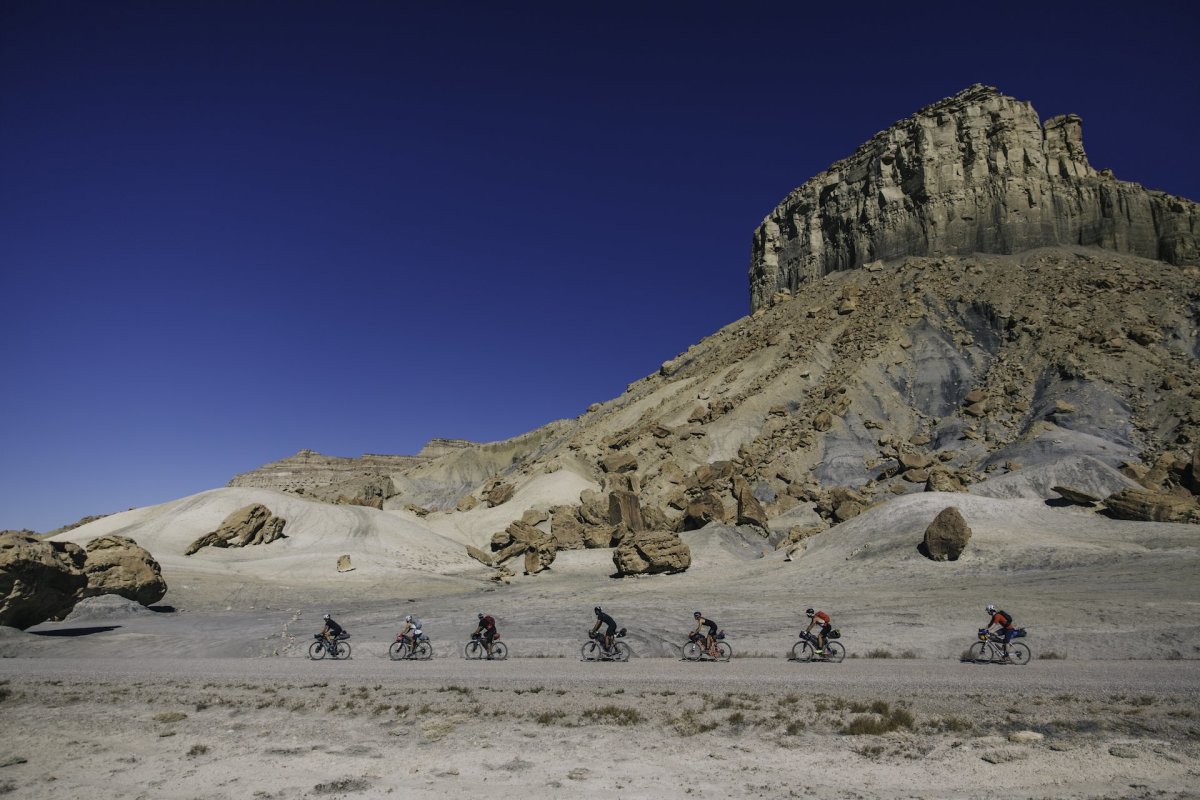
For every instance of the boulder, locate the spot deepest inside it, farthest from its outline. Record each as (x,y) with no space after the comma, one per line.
(593,508)
(499,493)
(466,502)
(1075,496)
(944,480)
(702,510)
(651,552)
(479,555)
(624,509)
(749,510)
(947,536)
(823,421)
(620,462)
(1151,506)
(597,536)
(118,565)
(251,525)
(38,579)
(565,528)
(540,556)
(914,460)
(344,565)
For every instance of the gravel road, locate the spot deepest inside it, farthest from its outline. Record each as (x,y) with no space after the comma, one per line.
(879,677)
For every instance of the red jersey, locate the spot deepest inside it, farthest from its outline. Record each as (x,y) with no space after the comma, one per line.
(822,618)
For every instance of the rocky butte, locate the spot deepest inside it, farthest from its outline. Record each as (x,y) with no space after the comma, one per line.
(964,305)
(974,173)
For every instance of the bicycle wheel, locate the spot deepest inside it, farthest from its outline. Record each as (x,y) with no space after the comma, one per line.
(692,651)
(725,650)
(424,651)
(980,652)
(1019,653)
(397,651)
(474,649)
(590,651)
(316,651)
(499,651)
(835,652)
(343,651)
(802,651)
(621,652)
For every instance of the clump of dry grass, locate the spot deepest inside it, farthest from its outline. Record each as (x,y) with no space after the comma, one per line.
(689,723)
(197,750)
(170,716)
(882,719)
(615,715)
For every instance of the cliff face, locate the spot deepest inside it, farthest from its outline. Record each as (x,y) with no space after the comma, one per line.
(974,173)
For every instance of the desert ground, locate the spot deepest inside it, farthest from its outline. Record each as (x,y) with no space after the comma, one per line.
(552,727)
(211,695)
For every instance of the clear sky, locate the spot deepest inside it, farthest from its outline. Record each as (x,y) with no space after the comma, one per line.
(232,230)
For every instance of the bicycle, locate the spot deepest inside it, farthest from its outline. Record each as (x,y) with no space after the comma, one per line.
(806,648)
(405,649)
(593,649)
(695,650)
(990,649)
(477,649)
(339,648)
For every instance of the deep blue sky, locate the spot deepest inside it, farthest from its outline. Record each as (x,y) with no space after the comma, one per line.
(232,230)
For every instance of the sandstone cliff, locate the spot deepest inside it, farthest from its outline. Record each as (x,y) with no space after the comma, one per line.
(974,173)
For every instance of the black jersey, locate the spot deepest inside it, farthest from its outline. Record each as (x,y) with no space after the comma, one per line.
(605,619)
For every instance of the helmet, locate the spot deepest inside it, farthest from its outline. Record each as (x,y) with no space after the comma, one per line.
(697,614)
(324,616)
(598,611)
(481,615)
(408,618)
(991,609)
(809,611)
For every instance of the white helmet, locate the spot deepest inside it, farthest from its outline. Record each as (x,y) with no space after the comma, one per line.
(324,616)
(991,609)
(408,618)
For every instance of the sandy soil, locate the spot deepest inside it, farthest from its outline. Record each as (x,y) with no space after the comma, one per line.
(290,728)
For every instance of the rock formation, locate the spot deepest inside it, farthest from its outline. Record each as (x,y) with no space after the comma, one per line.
(947,536)
(38,580)
(974,173)
(651,552)
(118,565)
(252,525)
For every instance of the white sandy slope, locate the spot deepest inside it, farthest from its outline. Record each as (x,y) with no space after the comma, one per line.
(384,546)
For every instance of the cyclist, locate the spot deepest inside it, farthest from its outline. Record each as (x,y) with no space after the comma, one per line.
(710,638)
(410,631)
(1004,626)
(331,630)
(487,631)
(820,618)
(609,632)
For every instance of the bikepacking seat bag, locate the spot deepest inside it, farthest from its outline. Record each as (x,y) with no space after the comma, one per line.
(621,633)
(1019,633)
(835,634)
(720,634)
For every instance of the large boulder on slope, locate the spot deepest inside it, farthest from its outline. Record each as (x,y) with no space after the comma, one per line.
(1149,506)
(250,525)
(651,552)
(947,536)
(38,579)
(749,510)
(118,565)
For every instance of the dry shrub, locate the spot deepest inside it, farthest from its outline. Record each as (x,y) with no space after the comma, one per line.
(615,715)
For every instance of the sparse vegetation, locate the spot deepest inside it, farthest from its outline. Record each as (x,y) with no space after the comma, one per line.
(170,716)
(689,723)
(879,652)
(882,719)
(613,715)
(197,750)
